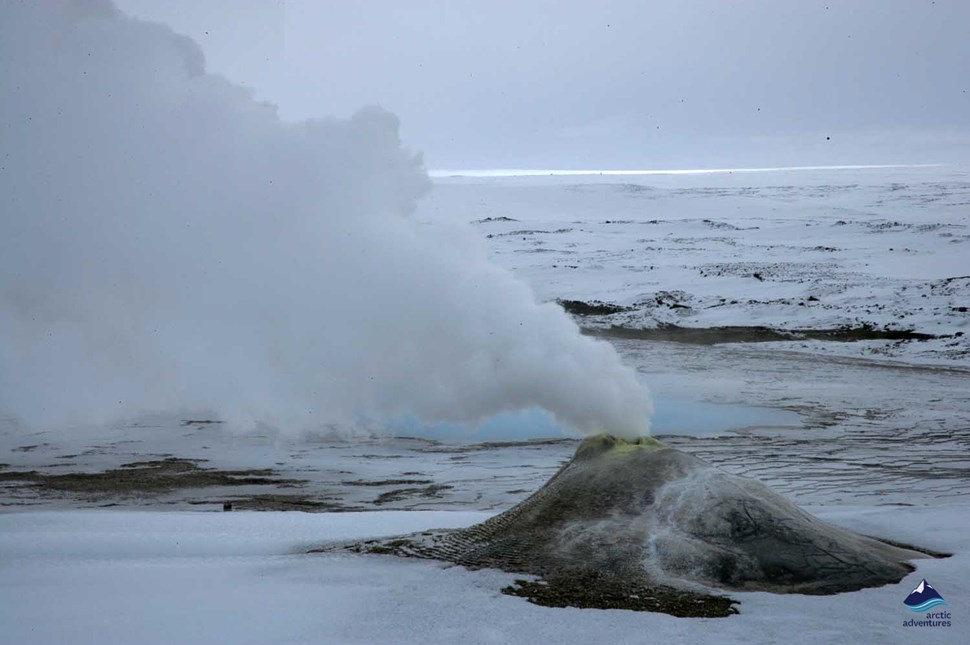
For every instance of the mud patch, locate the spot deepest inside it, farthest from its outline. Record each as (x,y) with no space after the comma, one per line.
(754,334)
(387,482)
(593,591)
(278,502)
(19,475)
(405,493)
(496,445)
(147,477)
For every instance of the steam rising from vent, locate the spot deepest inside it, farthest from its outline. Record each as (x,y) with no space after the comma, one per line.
(167,243)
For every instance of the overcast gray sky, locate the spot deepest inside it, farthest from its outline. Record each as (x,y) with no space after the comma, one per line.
(611,84)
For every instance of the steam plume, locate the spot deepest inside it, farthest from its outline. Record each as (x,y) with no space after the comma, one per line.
(167,243)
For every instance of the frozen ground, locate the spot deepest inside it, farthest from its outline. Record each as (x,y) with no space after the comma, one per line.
(148,577)
(874,249)
(873,434)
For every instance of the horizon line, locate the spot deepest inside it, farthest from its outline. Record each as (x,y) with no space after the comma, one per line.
(535,172)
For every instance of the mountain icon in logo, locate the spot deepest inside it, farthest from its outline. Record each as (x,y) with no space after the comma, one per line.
(923,597)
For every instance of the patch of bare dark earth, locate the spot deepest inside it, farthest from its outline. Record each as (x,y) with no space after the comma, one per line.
(754,334)
(591,308)
(146,477)
(404,493)
(280,502)
(387,482)
(28,448)
(495,445)
(590,590)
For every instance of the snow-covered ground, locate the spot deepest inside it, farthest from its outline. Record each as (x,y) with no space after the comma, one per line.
(885,248)
(149,577)
(873,435)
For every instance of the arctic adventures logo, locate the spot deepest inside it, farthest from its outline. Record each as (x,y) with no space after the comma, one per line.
(922,599)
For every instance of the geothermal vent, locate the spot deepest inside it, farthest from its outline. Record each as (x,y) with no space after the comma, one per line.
(639,520)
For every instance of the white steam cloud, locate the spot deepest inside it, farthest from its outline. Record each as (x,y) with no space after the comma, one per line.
(167,243)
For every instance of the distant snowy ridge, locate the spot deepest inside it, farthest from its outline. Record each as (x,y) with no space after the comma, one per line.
(533,172)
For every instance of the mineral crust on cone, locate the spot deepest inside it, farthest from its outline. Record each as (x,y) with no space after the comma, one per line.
(642,514)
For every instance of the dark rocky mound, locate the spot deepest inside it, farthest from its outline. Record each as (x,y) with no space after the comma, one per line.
(591,308)
(638,515)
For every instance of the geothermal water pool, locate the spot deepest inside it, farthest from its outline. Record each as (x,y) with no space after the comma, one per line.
(672,416)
